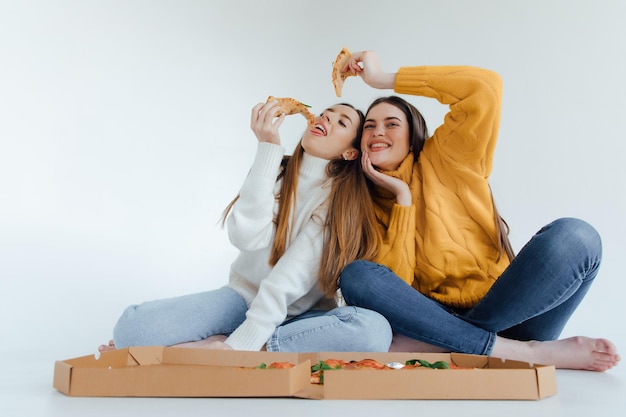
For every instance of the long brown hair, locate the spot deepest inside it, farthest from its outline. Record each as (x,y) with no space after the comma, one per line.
(351,224)
(418,133)
(350,227)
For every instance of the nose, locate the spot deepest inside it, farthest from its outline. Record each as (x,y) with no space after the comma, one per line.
(378,131)
(324,117)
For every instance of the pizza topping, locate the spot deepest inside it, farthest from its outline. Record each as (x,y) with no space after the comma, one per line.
(276,365)
(318,369)
(426,364)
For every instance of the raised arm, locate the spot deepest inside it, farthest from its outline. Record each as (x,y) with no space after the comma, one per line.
(251,220)
(469,133)
(250,223)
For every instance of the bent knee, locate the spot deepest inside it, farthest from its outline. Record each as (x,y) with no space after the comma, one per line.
(127,328)
(371,329)
(355,273)
(582,237)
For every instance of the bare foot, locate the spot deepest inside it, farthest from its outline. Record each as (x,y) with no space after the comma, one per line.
(106,348)
(215,342)
(401,343)
(579,352)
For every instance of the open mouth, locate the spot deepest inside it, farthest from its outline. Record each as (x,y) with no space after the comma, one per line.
(378,146)
(320,128)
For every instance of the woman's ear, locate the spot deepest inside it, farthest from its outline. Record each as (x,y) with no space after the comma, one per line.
(350,155)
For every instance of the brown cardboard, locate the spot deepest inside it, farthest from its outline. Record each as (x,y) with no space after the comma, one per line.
(488,379)
(181,372)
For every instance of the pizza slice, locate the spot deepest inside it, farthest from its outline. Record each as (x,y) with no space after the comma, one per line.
(339,77)
(289,106)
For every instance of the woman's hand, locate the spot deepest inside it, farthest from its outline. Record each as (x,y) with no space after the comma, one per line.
(264,122)
(395,185)
(366,65)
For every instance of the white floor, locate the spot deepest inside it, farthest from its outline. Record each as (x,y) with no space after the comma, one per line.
(26,390)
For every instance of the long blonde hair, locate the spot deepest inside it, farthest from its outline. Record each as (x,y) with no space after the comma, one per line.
(351,224)
(350,228)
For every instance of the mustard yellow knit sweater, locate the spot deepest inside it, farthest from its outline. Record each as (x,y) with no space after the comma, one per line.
(446,244)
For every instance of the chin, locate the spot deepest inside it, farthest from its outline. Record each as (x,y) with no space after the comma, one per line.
(379,164)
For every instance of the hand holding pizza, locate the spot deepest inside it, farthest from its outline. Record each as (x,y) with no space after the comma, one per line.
(364,64)
(264,122)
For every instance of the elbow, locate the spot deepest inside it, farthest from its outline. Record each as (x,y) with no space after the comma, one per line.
(493,82)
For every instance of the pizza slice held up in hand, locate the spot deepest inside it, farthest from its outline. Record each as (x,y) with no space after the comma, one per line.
(290,106)
(339,77)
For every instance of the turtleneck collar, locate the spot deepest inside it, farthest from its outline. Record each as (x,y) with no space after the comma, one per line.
(313,165)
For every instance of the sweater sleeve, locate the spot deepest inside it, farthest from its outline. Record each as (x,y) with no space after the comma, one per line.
(470,129)
(397,250)
(250,223)
(294,276)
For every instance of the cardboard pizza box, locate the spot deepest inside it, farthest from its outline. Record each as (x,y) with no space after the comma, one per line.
(183,372)
(481,378)
(179,372)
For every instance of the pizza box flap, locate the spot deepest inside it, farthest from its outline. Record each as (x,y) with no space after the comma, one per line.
(186,356)
(145,355)
(179,372)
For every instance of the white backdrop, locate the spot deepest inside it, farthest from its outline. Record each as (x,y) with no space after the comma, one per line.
(124,129)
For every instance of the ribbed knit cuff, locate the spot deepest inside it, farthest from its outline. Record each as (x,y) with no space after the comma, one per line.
(408,79)
(267,160)
(402,217)
(249,336)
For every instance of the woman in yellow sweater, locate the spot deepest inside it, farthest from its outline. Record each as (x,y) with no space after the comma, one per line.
(446,275)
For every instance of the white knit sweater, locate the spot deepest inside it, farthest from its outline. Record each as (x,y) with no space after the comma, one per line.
(290,287)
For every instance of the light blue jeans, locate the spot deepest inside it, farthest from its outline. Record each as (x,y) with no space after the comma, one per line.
(531,300)
(195,317)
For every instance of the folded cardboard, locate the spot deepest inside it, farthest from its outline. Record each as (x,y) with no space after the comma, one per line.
(480,378)
(182,372)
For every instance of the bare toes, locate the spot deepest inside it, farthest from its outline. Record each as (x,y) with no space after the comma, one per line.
(108,347)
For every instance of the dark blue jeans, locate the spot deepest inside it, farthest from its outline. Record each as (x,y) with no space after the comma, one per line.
(531,300)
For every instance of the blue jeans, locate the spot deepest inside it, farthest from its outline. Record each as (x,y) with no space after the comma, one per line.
(195,317)
(532,299)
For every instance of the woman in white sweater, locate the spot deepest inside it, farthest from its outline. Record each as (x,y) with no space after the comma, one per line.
(282,286)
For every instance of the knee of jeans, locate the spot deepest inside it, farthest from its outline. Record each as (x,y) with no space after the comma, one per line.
(125,329)
(370,328)
(353,275)
(581,236)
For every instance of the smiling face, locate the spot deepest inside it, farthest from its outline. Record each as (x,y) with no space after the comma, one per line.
(386,136)
(333,133)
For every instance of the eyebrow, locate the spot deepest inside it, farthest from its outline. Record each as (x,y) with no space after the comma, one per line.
(386,119)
